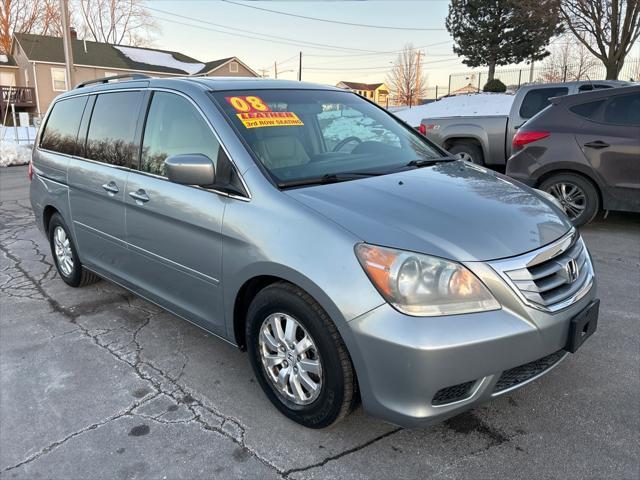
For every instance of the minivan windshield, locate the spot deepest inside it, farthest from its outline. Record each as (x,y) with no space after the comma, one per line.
(304,137)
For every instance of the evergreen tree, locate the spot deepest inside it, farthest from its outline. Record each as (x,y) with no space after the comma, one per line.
(502,32)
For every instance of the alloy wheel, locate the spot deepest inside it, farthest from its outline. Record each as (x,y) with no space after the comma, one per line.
(571,197)
(290,358)
(62,250)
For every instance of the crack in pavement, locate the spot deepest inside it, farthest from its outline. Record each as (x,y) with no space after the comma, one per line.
(287,473)
(205,415)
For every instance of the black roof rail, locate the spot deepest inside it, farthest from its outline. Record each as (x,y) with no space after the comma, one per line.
(132,76)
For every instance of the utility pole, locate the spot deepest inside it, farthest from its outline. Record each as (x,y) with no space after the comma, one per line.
(66,40)
(300,68)
(275,69)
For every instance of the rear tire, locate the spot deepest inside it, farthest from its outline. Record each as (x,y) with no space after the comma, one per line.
(65,255)
(273,358)
(577,195)
(469,151)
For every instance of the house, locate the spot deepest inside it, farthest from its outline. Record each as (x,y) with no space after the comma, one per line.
(22,98)
(40,65)
(465,90)
(378,92)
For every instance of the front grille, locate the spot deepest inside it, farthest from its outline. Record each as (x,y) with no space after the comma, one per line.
(553,277)
(453,393)
(517,375)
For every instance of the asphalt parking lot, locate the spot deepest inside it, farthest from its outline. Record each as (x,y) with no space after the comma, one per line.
(98,384)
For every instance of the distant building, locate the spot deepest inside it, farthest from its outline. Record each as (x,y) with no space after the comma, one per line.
(465,90)
(34,74)
(378,92)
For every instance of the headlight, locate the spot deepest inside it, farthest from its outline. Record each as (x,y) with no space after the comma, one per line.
(422,285)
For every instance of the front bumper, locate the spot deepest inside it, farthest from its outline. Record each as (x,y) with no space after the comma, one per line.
(406,365)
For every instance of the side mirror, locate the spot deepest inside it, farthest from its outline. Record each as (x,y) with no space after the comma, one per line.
(190,169)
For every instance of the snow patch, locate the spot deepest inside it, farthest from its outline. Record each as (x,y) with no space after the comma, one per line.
(162,59)
(475,105)
(14,154)
(4,59)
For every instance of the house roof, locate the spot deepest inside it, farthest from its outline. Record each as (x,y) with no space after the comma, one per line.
(7,61)
(361,86)
(41,48)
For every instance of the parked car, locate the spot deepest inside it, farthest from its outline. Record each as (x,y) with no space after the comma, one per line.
(351,257)
(585,151)
(486,140)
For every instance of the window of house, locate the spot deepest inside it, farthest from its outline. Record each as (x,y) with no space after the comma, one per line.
(61,130)
(59,79)
(112,130)
(233,67)
(7,79)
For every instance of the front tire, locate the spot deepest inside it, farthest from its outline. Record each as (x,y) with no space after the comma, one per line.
(469,151)
(578,196)
(299,357)
(65,255)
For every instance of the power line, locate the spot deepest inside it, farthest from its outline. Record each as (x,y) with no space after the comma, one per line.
(277,39)
(377,53)
(378,68)
(332,21)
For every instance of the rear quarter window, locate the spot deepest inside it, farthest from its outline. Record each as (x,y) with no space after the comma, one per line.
(60,133)
(587,110)
(537,99)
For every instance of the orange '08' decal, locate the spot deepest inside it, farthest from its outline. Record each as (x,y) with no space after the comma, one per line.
(249,103)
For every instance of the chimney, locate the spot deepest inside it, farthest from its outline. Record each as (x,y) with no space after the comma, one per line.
(73,33)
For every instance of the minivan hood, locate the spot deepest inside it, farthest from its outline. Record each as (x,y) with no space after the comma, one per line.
(454,210)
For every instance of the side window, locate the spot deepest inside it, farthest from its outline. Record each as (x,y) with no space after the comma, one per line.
(112,129)
(587,110)
(338,123)
(537,99)
(175,127)
(623,110)
(61,130)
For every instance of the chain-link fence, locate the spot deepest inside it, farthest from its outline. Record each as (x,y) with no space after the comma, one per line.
(473,81)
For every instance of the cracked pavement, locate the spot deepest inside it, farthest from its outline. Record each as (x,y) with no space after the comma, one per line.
(97,383)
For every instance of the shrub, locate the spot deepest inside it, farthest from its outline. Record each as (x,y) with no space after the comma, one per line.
(494,85)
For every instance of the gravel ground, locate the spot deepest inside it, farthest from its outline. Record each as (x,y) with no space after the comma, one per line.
(96,383)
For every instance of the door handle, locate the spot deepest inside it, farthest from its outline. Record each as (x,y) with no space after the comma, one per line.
(111,188)
(596,144)
(139,196)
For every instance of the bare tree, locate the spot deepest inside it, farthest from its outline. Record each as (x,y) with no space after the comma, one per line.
(569,60)
(406,80)
(116,21)
(22,16)
(607,28)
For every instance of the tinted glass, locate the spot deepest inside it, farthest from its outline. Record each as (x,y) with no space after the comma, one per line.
(623,110)
(302,135)
(61,131)
(174,127)
(112,129)
(587,110)
(536,100)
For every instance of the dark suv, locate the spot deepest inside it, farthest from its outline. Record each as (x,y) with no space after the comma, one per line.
(585,151)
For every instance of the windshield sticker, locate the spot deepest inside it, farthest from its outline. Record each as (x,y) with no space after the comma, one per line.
(253,112)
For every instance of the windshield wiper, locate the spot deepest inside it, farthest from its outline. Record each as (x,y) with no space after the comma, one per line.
(328,178)
(425,162)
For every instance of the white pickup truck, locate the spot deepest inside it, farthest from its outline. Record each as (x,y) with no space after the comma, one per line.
(484,137)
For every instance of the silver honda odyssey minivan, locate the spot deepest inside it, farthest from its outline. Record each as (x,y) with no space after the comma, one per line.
(350,257)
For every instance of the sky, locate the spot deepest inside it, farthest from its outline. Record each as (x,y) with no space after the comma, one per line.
(358,54)
(213,29)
